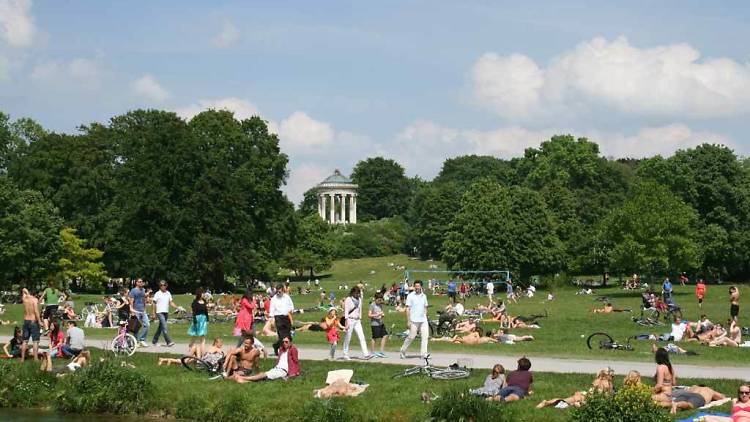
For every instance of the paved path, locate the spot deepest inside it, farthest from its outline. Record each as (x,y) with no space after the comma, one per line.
(540,364)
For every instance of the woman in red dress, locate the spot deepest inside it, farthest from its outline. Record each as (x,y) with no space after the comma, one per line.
(244,321)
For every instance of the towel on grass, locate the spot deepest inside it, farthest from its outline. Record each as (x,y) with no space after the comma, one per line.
(697,415)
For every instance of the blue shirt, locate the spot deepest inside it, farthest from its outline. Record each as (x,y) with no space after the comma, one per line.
(667,286)
(508,288)
(451,286)
(139,299)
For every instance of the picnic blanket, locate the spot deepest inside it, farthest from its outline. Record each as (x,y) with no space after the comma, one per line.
(697,415)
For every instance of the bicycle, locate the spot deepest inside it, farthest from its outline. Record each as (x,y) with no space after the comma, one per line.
(124,343)
(453,372)
(196,364)
(605,341)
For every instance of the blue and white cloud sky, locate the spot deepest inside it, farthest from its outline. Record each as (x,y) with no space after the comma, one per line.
(417,81)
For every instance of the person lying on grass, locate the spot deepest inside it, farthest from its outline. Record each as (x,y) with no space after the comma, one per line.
(693,397)
(518,383)
(466,326)
(707,337)
(242,360)
(471,339)
(75,364)
(212,356)
(672,348)
(506,338)
(603,383)
(608,309)
(287,365)
(494,382)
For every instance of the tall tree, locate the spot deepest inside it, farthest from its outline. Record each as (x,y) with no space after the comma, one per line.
(314,248)
(467,169)
(503,228)
(383,189)
(430,214)
(309,204)
(78,263)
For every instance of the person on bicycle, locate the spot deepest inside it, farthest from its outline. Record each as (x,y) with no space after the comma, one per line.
(137,300)
(416,319)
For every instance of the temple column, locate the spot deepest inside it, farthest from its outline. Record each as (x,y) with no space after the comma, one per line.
(353,216)
(331,218)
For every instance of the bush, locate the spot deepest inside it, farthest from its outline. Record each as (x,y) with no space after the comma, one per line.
(630,404)
(25,385)
(331,410)
(105,387)
(233,406)
(460,406)
(374,238)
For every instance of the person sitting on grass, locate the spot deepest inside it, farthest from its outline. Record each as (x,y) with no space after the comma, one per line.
(603,383)
(729,338)
(242,360)
(494,382)
(471,339)
(75,341)
(707,336)
(608,309)
(665,378)
(632,379)
(12,348)
(693,397)
(56,339)
(518,383)
(466,326)
(287,365)
(505,337)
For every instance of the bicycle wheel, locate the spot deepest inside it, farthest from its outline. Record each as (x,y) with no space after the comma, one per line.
(408,372)
(450,374)
(601,340)
(193,363)
(124,346)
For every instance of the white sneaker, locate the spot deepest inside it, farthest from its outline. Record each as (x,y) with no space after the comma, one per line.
(143,344)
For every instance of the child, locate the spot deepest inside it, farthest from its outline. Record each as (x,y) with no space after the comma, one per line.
(332,326)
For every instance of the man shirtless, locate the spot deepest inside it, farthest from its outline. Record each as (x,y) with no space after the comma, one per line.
(31,323)
(471,339)
(242,360)
(608,309)
(693,398)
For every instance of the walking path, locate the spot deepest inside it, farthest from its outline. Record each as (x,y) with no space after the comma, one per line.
(540,364)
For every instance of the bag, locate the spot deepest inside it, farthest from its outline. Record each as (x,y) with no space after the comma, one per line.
(134,325)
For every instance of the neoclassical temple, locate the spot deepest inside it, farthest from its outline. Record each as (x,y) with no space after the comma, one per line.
(337,199)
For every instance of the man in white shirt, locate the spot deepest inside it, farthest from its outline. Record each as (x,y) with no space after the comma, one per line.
(162,301)
(490,290)
(281,311)
(416,319)
(353,316)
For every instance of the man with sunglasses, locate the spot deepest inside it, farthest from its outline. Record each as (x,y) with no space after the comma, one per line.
(287,365)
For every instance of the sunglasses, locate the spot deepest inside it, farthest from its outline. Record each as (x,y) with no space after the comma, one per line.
(743,393)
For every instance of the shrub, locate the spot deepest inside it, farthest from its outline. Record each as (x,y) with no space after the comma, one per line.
(460,406)
(194,406)
(232,406)
(105,387)
(25,385)
(331,410)
(630,404)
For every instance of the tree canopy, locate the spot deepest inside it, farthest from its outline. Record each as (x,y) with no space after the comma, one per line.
(383,191)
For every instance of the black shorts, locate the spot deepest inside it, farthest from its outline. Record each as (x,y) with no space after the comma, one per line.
(49,310)
(452,295)
(378,331)
(734,310)
(30,330)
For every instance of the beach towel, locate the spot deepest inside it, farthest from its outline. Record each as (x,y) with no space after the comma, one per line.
(697,415)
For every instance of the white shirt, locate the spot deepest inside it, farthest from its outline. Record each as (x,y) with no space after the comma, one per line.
(162,299)
(350,310)
(281,305)
(283,362)
(678,331)
(459,308)
(257,344)
(417,304)
(490,288)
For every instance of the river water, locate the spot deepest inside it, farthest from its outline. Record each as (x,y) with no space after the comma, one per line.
(13,415)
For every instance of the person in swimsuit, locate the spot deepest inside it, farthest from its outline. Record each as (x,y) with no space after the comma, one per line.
(603,383)
(665,378)
(693,398)
(31,323)
(740,408)
(730,338)
(734,299)
(242,360)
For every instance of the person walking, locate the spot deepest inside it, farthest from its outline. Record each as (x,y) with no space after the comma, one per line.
(137,298)
(162,300)
(377,325)
(199,327)
(490,290)
(700,292)
(666,289)
(452,287)
(509,293)
(353,316)
(281,311)
(416,319)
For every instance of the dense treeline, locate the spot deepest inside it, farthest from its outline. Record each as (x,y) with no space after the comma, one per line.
(152,195)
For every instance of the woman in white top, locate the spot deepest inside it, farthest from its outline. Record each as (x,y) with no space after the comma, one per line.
(353,316)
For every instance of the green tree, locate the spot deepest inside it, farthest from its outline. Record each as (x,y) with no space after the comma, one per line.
(29,235)
(430,214)
(503,228)
(314,249)
(309,204)
(79,263)
(467,169)
(653,231)
(383,189)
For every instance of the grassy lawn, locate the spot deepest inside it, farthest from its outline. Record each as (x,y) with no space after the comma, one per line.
(562,334)
(385,399)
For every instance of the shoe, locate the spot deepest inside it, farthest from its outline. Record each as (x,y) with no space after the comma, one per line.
(170,344)
(143,344)
(381,355)
(402,355)
(154,344)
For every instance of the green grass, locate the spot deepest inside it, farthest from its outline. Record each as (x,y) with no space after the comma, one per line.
(385,399)
(561,335)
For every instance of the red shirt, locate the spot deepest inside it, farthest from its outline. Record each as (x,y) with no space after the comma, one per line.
(700,289)
(267,305)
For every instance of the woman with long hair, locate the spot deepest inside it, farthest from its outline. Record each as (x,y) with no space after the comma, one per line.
(244,321)
(56,338)
(665,378)
(199,328)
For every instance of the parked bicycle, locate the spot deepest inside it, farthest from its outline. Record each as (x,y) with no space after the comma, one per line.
(124,343)
(453,372)
(213,369)
(605,341)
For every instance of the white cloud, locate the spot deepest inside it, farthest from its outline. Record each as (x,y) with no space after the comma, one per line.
(149,88)
(228,35)
(78,73)
(650,141)
(242,109)
(302,177)
(668,80)
(301,132)
(16,23)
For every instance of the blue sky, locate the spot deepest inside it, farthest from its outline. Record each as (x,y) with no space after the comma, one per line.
(417,81)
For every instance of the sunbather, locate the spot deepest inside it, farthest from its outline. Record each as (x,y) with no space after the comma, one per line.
(603,383)
(693,398)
